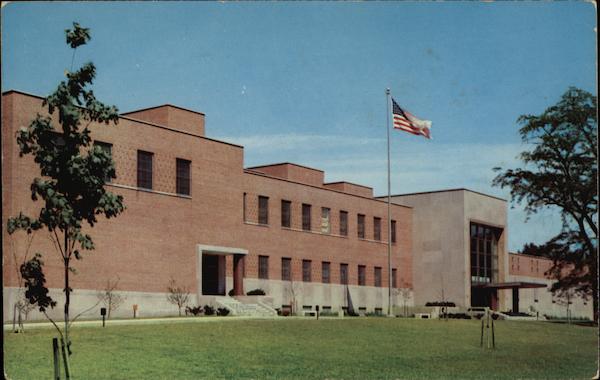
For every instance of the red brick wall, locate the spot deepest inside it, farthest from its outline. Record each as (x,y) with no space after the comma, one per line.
(525,265)
(156,237)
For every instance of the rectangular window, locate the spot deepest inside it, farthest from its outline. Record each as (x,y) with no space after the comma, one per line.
(325,222)
(286,269)
(393,231)
(286,214)
(183,176)
(263,210)
(377,274)
(325,271)
(376,228)
(344,274)
(484,256)
(361,226)
(305,217)
(306,270)
(144,169)
(394,278)
(263,267)
(344,223)
(106,148)
(362,275)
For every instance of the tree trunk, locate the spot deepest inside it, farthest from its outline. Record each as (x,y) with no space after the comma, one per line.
(67,295)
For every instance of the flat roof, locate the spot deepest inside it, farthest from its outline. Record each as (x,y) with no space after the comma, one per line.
(121,116)
(252,172)
(164,105)
(444,191)
(350,183)
(512,285)
(284,163)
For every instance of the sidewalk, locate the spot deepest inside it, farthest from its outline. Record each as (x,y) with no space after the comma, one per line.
(149,321)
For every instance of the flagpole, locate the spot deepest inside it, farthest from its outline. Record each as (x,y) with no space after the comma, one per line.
(389,245)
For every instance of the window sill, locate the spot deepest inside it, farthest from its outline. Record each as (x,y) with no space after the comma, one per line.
(149,191)
(256,224)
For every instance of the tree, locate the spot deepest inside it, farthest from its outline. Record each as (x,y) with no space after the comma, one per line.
(110,298)
(177,295)
(561,170)
(73,177)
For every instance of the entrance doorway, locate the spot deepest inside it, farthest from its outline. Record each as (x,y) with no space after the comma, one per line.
(211,275)
(484,297)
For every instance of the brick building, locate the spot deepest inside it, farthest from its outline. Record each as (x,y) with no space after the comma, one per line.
(195,214)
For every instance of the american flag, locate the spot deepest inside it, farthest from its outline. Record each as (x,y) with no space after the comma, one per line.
(403,120)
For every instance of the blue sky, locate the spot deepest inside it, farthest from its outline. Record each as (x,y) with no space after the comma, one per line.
(304,82)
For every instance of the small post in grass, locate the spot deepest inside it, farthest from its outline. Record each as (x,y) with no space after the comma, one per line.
(65,356)
(103,314)
(485,320)
(56,359)
(317,308)
(135,307)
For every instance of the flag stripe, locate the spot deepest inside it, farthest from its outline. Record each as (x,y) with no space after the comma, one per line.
(407,122)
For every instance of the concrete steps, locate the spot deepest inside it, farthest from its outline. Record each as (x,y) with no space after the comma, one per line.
(236,307)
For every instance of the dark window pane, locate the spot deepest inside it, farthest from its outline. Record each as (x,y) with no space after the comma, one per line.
(325,272)
(286,214)
(306,217)
(394,277)
(393,231)
(144,169)
(361,226)
(362,271)
(106,148)
(376,228)
(344,274)
(183,177)
(263,267)
(344,223)
(306,270)
(263,210)
(377,274)
(286,269)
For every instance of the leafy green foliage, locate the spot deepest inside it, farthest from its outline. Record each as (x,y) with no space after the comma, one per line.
(35,282)
(73,174)
(561,170)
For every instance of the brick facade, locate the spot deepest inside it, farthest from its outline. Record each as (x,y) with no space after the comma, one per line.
(155,238)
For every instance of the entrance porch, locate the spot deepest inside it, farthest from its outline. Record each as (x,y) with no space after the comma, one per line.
(211,270)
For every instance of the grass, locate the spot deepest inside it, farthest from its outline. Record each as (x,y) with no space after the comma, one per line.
(351,348)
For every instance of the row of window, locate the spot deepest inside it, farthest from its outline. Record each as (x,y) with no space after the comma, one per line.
(286,219)
(145,170)
(286,272)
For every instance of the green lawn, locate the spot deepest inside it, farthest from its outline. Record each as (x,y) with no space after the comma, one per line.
(351,348)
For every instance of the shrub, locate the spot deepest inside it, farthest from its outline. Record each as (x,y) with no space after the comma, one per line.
(222,311)
(209,310)
(195,310)
(230,293)
(256,292)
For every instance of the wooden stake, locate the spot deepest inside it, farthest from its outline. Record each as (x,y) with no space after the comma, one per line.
(56,359)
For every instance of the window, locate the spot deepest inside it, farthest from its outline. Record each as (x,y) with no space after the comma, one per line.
(263,267)
(286,269)
(484,255)
(393,231)
(183,176)
(377,274)
(263,210)
(394,277)
(305,217)
(325,223)
(362,275)
(361,226)
(286,214)
(106,148)
(376,228)
(144,169)
(325,271)
(344,274)
(344,223)
(306,270)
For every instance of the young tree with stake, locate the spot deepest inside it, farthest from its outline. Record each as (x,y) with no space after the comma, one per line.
(73,174)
